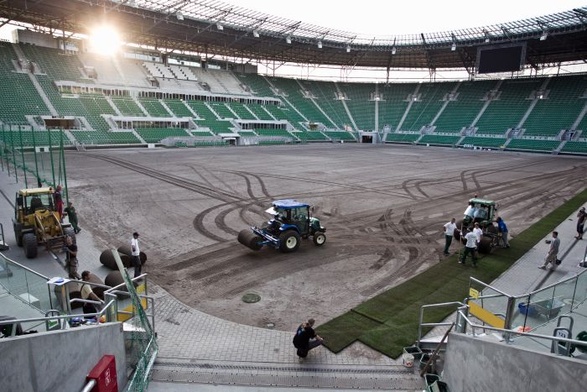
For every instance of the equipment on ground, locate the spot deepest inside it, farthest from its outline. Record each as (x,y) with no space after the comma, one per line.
(291,222)
(484,213)
(37,222)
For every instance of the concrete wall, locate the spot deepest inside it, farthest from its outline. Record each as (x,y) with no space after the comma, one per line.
(59,360)
(481,365)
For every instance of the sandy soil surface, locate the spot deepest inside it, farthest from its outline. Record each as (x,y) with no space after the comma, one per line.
(383,207)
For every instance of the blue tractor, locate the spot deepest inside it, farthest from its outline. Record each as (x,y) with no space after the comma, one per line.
(290,223)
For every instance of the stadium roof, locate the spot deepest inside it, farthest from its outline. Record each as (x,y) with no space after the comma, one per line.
(215,29)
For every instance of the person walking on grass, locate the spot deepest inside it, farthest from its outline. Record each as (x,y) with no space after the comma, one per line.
(503,230)
(470,248)
(449,230)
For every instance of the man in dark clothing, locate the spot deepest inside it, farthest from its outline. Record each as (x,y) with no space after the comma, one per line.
(503,230)
(72,263)
(306,339)
(72,216)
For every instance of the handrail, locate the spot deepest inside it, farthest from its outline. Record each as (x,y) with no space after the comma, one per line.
(488,286)
(422,324)
(61,317)
(521,333)
(560,282)
(23,267)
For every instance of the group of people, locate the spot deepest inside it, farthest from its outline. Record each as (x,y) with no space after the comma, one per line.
(472,237)
(72,263)
(86,289)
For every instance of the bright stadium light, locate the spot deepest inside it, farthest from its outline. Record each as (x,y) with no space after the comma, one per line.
(219,26)
(288,39)
(393,50)
(348,48)
(453,47)
(255,34)
(544,36)
(105,40)
(319,44)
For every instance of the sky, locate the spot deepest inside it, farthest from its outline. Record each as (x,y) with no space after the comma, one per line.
(387,17)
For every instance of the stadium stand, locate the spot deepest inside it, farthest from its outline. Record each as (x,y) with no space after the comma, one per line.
(155,135)
(394,101)
(439,140)
(534,145)
(483,142)
(536,114)
(509,101)
(558,106)
(462,107)
(425,105)
(574,147)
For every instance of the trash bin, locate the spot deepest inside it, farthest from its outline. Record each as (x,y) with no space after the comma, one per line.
(424,360)
(414,350)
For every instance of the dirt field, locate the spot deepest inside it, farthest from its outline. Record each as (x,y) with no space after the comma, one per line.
(383,207)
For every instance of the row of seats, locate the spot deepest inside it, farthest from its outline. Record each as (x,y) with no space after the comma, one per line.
(492,107)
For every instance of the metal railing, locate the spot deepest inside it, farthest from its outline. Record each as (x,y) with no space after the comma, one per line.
(25,284)
(512,315)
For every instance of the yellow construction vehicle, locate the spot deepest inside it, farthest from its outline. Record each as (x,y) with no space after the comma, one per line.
(36,221)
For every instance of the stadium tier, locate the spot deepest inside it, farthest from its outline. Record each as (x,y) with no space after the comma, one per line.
(105,101)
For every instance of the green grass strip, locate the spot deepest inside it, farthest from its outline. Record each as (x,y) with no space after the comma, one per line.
(389,321)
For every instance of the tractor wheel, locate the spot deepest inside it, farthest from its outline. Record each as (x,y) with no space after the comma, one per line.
(29,241)
(18,234)
(68,231)
(491,228)
(485,245)
(289,241)
(250,239)
(319,238)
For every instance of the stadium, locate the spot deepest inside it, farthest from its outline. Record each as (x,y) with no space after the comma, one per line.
(178,136)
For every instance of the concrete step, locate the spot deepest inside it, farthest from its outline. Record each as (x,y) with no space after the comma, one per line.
(279,375)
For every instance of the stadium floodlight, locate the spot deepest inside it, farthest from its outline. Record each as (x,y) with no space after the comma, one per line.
(319,44)
(544,36)
(219,26)
(255,34)
(288,39)
(393,50)
(453,47)
(348,48)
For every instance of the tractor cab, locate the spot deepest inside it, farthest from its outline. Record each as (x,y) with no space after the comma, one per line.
(290,214)
(482,211)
